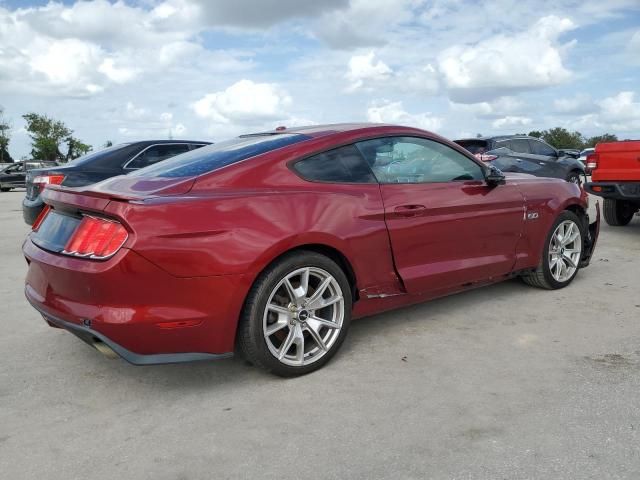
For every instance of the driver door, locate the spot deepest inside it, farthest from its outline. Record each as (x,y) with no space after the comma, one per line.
(447,226)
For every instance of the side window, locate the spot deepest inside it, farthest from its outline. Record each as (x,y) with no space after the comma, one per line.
(17,168)
(417,160)
(520,145)
(504,144)
(156,154)
(343,165)
(539,148)
(194,146)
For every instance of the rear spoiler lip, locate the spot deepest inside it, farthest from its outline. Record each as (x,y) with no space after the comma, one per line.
(73,197)
(53,193)
(147,189)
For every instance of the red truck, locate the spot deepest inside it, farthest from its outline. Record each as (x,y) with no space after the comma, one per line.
(615,176)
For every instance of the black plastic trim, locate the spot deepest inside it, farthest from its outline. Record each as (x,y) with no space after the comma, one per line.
(89,336)
(614,190)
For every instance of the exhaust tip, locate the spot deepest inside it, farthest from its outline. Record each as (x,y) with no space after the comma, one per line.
(104,349)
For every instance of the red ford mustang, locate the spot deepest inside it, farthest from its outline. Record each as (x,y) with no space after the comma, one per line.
(270,243)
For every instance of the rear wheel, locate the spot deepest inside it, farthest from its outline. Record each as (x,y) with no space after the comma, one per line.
(296,315)
(561,255)
(618,213)
(5,189)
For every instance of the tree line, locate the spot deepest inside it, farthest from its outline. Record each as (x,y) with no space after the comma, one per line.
(562,138)
(51,140)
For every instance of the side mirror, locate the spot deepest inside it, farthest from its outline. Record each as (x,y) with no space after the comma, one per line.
(494,176)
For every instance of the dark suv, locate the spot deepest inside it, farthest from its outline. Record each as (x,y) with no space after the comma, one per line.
(97,166)
(524,154)
(13,175)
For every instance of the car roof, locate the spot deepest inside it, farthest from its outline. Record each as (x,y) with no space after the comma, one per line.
(327,129)
(154,142)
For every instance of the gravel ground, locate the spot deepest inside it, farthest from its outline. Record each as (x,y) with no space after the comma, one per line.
(504,382)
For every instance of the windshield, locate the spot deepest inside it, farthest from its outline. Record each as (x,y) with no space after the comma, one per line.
(97,155)
(213,157)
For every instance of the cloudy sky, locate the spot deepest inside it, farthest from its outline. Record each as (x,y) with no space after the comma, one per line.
(208,69)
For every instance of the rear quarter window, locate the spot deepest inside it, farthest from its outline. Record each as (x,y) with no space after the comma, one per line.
(340,165)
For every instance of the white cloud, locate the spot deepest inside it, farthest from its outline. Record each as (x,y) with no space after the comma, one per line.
(115,73)
(66,65)
(621,112)
(423,80)
(164,56)
(394,112)
(244,101)
(137,122)
(502,64)
(579,104)
(364,23)
(86,47)
(511,121)
(366,69)
(497,108)
(252,14)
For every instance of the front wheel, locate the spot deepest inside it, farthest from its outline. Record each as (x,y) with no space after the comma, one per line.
(5,189)
(296,315)
(561,255)
(574,177)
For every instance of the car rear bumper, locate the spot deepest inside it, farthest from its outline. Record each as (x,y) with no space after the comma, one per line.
(136,309)
(100,342)
(31,209)
(615,190)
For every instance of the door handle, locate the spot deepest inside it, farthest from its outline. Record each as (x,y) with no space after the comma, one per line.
(410,210)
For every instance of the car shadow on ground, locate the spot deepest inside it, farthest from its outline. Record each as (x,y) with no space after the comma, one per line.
(203,376)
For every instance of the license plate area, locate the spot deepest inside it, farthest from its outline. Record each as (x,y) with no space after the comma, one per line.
(55,231)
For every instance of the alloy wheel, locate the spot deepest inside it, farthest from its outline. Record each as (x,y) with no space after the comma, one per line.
(303,316)
(565,248)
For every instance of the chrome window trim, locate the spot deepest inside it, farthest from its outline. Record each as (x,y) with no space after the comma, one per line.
(125,166)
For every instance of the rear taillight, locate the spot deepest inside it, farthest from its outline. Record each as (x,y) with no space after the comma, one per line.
(592,162)
(485,157)
(42,181)
(97,238)
(40,218)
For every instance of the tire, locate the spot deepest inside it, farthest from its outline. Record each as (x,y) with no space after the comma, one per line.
(296,320)
(574,177)
(546,275)
(5,189)
(618,213)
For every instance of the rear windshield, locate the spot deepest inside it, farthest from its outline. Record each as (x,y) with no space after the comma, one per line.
(212,157)
(93,156)
(474,146)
